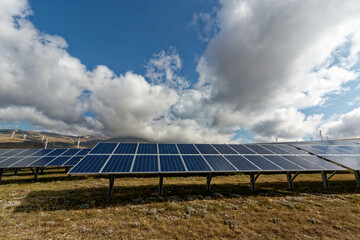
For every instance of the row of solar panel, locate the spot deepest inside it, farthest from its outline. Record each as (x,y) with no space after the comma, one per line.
(331,149)
(120,164)
(43,152)
(153,148)
(43,158)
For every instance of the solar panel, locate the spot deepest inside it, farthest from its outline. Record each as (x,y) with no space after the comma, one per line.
(303,163)
(12,152)
(56,152)
(146,163)
(70,152)
(126,148)
(187,149)
(290,149)
(331,150)
(206,149)
(3,159)
(219,163)
(90,164)
(24,162)
(258,149)
(195,163)
(73,161)
(352,162)
(58,161)
(352,149)
(27,152)
(84,151)
(283,163)
(320,162)
(42,152)
(2,151)
(118,164)
(241,163)
(310,149)
(9,161)
(263,163)
(168,149)
(171,163)
(242,149)
(274,149)
(41,162)
(224,149)
(147,148)
(104,148)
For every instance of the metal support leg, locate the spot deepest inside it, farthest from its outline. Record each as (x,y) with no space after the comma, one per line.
(1,173)
(69,176)
(111,184)
(42,170)
(32,171)
(325,180)
(357,177)
(253,179)
(66,169)
(16,171)
(208,181)
(161,179)
(291,179)
(36,174)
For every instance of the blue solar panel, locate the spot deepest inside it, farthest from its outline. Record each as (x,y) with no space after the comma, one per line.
(187,149)
(242,149)
(320,162)
(206,149)
(351,149)
(24,162)
(27,152)
(284,163)
(331,150)
(90,164)
(352,162)
(3,159)
(195,163)
(12,152)
(146,163)
(2,151)
(241,163)
(57,152)
(58,161)
(41,162)
(274,149)
(72,161)
(168,149)
(303,163)
(6,163)
(147,148)
(104,148)
(263,163)
(83,151)
(71,152)
(258,149)
(291,149)
(310,149)
(224,149)
(118,164)
(171,163)
(126,148)
(42,152)
(219,163)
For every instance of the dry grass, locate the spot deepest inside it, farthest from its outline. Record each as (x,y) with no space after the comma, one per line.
(59,208)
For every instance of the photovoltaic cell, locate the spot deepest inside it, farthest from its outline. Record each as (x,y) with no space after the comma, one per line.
(90,164)
(206,149)
(104,148)
(24,162)
(352,162)
(195,163)
(42,152)
(219,163)
(58,161)
(224,149)
(147,148)
(291,149)
(242,149)
(331,150)
(274,149)
(310,149)
(2,151)
(146,163)
(325,164)
(70,152)
(285,164)
(73,161)
(27,152)
(241,163)
(168,149)
(8,162)
(12,152)
(303,163)
(263,163)
(258,149)
(171,163)
(352,149)
(126,148)
(187,149)
(42,162)
(56,152)
(83,151)
(118,164)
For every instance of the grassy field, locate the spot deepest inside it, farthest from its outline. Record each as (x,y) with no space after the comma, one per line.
(58,208)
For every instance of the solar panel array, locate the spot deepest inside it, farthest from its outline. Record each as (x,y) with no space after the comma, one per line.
(20,158)
(142,158)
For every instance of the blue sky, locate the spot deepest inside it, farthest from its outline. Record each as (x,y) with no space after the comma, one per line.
(181,71)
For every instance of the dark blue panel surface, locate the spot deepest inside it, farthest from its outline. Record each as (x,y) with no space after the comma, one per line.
(118,164)
(331,150)
(219,163)
(58,161)
(351,149)
(6,163)
(187,149)
(258,149)
(303,163)
(195,163)
(72,161)
(206,149)
(42,162)
(126,148)
(104,148)
(12,152)
(57,152)
(291,149)
(242,149)
(263,163)
(90,164)
(27,152)
(352,162)
(241,163)
(147,148)
(3,159)
(224,149)
(146,163)
(274,149)
(171,163)
(168,149)
(323,163)
(71,152)
(24,162)
(310,149)
(2,151)
(284,163)
(42,152)
(83,151)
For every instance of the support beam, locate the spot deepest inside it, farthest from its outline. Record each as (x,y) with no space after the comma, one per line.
(1,173)
(111,184)
(291,179)
(357,177)
(32,171)
(42,170)
(253,179)
(16,171)
(208,181)
(326,179)
(161,180)
(36,174)
(66,169)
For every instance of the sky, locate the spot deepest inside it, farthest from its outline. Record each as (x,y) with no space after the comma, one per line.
(182,71)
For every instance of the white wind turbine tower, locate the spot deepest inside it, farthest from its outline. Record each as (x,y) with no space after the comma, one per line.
(321,137)
(13,134)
